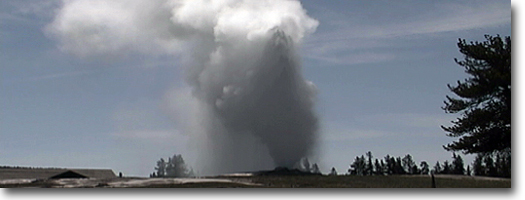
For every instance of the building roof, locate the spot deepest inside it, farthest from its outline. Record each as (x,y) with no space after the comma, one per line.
(45,173)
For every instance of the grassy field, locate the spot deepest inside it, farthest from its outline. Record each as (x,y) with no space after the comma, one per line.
(352,182)
(379,182)
(318,181)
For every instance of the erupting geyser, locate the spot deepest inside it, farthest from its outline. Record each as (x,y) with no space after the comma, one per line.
(250,106)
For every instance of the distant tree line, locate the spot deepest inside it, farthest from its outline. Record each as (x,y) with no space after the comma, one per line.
(494,165)
(455,167)
(389,165)
(175,167)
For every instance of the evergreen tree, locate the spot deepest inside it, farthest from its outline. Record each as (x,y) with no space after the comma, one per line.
(493,164)
(437,168)
(358,167)
(408,164)
(369,166)
(161,168)
(354,167)
(390,164)
(170,168)
(378,167)
(175,167)
(484,98)
(333,172)
(447,168)
(479,169)
(384,169)
(399,166)
(424,167)
(469,172)
(181,170)
(503,164)
(415,170)
(457,165)
(490,169)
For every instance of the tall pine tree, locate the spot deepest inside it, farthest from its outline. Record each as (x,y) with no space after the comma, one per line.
(484,98)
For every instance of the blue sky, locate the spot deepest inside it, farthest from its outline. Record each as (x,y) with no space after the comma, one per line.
(381,68)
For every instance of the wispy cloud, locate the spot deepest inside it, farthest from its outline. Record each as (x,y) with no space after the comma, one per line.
(48,77)
(365,127)
(337,134)
(8,17)
(38,10)
(150,135)
(408,120)
(360,39)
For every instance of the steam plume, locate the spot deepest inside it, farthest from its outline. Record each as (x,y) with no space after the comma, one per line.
(250,106)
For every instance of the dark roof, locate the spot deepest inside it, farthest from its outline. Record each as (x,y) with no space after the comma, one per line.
(68,174)
(43,173)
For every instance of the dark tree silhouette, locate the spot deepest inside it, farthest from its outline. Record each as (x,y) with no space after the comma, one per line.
(447,168)
(390,164)
(492,164)
(484,98)
(161,168)
(405,165)
(424,167)
(458,166)
(378,167)
(333,172)
(358,167)
(490,169)
(479,169)
(409,164)
(437,168)
(384,169)
(369,166)
(398,168)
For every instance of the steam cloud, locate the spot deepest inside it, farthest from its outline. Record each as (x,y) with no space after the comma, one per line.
(250,107)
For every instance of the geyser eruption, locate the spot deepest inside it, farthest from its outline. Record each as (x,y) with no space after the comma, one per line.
(251,107)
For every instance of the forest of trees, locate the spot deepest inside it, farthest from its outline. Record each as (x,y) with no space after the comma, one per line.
(389,165)
(494,165)
(497,165)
